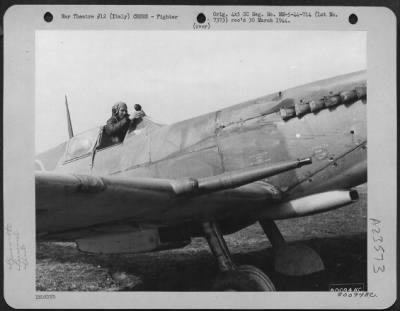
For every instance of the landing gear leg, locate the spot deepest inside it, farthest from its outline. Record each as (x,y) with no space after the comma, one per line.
(218,246)
(292,260)
(231,277)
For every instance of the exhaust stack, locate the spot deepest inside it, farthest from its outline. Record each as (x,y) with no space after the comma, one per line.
(312,204)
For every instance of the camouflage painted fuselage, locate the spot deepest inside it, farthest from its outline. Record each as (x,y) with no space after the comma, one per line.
(245,135)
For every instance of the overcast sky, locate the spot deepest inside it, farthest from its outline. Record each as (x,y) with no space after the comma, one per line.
(175,75)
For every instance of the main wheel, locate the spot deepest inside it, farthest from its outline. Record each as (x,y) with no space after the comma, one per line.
(244,279)
(257,274)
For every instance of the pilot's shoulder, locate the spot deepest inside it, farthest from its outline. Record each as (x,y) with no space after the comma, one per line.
(112,120)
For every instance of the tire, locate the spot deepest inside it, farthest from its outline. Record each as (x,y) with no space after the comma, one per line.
(257,274)
(243,279)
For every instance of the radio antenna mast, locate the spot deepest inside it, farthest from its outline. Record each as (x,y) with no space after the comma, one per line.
(70,131)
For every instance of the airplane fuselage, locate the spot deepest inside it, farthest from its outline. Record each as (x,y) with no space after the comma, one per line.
(244,135)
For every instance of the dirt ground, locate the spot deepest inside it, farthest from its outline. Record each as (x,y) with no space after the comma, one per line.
(339,237)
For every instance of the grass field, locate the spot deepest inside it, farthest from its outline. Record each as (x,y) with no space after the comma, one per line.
(339,237)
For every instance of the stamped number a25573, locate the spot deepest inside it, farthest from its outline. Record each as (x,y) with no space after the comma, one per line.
(379,251)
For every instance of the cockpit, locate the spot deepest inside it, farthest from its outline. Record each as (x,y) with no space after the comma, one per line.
(97,139)
(144,126)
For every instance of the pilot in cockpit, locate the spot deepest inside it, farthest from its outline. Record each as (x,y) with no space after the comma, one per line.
(119,123)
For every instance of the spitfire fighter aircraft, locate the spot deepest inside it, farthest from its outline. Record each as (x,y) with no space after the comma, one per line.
(290,154)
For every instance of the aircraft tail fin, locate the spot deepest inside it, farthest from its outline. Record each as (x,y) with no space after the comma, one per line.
(70,131)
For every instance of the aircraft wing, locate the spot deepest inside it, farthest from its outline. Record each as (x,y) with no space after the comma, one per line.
(68,201)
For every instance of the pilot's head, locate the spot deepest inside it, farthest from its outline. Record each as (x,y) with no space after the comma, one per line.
(120,110)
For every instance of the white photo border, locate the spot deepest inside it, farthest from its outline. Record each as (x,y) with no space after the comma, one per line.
(20,24)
